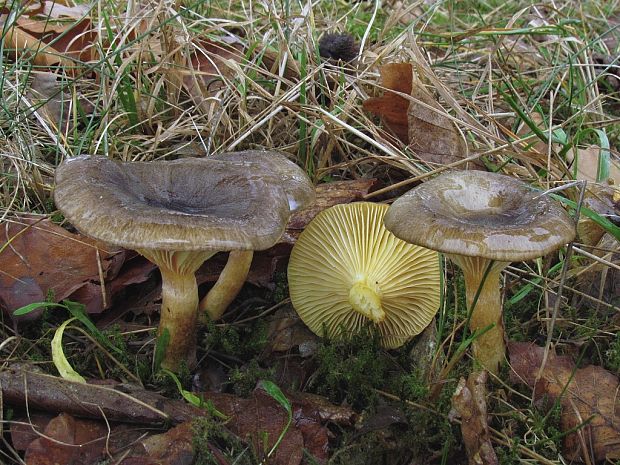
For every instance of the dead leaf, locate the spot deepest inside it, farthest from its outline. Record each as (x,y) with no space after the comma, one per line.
(600,199)
(320,407)
(587,165)
(420,123)
(40,259)
(58,10)
(539,146)
(261,419)
(381,420)
(208,69)
(58,443)
(52,99)
(173,447)
(327,195)
(470,405)
(588,397)
(25,429)
(608,72)
(136,270)
(600,281)
(53,34)
(286,331)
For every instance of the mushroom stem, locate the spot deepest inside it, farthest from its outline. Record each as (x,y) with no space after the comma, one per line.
(366,300)
(228,284)
(179,301)
(489,348)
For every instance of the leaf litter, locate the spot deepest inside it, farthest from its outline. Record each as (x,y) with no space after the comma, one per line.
(588,397)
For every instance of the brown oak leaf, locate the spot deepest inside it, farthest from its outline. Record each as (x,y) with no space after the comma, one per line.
(589,398)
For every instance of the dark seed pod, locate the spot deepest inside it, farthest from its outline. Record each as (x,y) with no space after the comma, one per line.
(338,47)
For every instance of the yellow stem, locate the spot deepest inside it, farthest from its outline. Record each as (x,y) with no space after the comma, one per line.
(489,348)
(179,301)
(228,285)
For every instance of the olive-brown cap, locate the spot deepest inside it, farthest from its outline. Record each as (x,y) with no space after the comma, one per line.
(480,214)
(292,178)
(189,204)
(346,269)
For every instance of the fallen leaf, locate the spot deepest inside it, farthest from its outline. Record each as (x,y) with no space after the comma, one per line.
(57,10)
(40,259)
(327,195)
(261,419)
(25,429)
(381,419)
(537,145)
(470,405)
(598,198)
(608,72)
(286,331)
(420,122)
(173,447)
(587,165)
(597,279)
(320,407)
(28,433)
(52,99)
(53,34)
(588,397)
(208,69)
(57,445)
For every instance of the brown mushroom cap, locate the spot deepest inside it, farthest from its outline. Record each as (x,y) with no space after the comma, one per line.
(346,269)
(294,181)
(480,214)
(142,205)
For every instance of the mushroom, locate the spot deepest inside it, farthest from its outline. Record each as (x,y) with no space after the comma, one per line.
(347,270)
(482,222)
(300,193)
(177,214)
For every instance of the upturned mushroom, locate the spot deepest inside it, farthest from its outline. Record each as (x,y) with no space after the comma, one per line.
(482,222)
(346,270)
(299,192)
(177,214)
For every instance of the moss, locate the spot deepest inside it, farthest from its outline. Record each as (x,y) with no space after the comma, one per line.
(612,355)
(209,434)
(424,434)
(412,386)
(350,370)
(281,287)
(244,342)
(244,379)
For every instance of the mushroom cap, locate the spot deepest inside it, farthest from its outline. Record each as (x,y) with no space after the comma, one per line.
(348,244)
(298,187)
(189,204)
(480,214)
